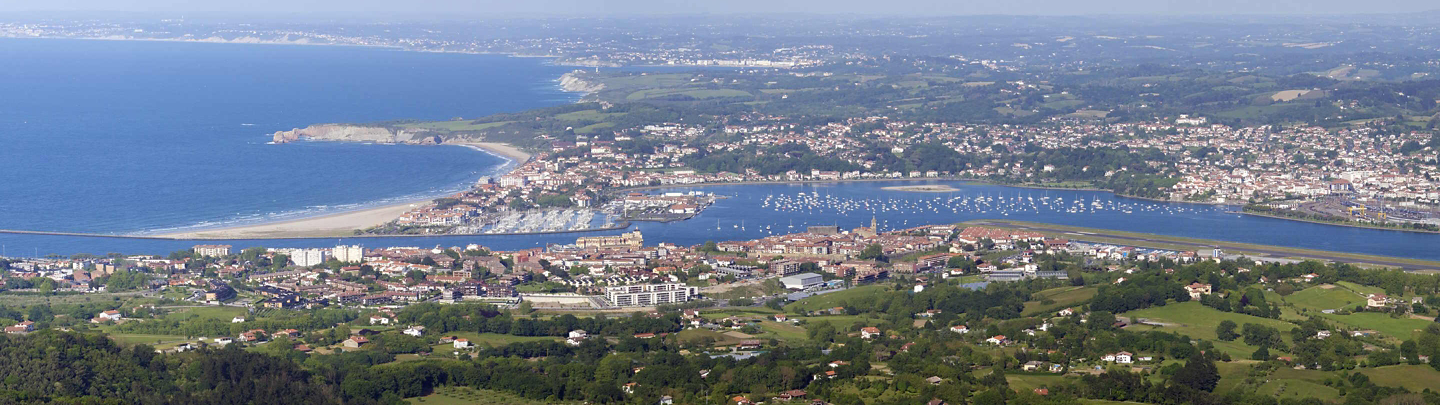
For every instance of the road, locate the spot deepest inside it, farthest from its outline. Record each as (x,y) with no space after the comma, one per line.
(1261,251)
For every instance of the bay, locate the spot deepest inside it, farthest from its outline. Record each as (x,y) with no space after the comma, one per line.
(122,137)
(754,207)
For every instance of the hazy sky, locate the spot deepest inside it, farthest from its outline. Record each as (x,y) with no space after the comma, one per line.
(479,8)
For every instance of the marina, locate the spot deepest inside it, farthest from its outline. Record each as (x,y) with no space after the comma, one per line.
(759,210)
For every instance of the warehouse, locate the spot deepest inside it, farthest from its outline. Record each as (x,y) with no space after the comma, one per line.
(802,281)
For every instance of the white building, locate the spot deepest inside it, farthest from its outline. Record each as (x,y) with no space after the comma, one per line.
(212,250)
(802,281)
(309,257)
(349,254)
(649,294)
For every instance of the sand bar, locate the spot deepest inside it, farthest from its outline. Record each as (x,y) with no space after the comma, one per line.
(336,224)
(927,188)
(331,225)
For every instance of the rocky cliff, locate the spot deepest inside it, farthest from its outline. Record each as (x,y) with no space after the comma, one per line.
(572,82)
(356,133)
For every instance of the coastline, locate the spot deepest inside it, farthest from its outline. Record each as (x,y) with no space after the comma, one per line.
(341,224)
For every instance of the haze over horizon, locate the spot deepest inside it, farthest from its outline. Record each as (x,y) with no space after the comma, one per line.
(481,8)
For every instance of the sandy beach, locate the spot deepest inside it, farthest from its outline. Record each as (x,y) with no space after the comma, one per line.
(502,149)
(337,224)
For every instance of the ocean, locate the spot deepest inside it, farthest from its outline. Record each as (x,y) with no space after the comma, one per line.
(125,137)
(133,137)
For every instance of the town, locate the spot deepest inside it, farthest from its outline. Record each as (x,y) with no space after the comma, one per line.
(743,299)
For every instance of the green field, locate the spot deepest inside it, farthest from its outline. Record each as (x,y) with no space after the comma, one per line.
(471,396)
(1361,289)
(124,339)
(586,115)
(594,127)
(1199,322)
(1028,382)
(1319,298)
(1399,328)
(489,339)
(841,322)
(209,312)
(1415,378)
(1063,296)
(455,125)
(23,299)
(1231,374)
(649,80)
(833,299)
(1298,389)
(696,93)
(783,331)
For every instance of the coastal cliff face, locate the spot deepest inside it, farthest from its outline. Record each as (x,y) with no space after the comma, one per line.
(572,82)
(356,133)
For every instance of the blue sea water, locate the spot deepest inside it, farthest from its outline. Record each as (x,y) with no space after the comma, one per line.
(122,137)
(127,137)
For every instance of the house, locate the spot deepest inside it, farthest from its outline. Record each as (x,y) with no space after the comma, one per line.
(238,319)
(223,341)
(578,334)
(781,318)
(462,343)
(415,331)
(1197,290)
(303,348)
(791,395)
(111,315)
(666,400)
(748,344)
(934,380)
(1057,368)
(379,320)
(1322,334)
(996,340)
(869,332)
(741,400)
(1377,300)
(1124,357)
(961,329)
(1032,365)
(839,363)
(355,342)
(1066,312)
(644,335)
(629,388)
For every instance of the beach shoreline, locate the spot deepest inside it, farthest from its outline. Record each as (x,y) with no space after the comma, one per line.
(341,224)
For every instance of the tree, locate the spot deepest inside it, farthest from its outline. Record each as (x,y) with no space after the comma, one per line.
(1226,330)
(873,252)
(1199,373)
(1410,351)
(1262,354)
